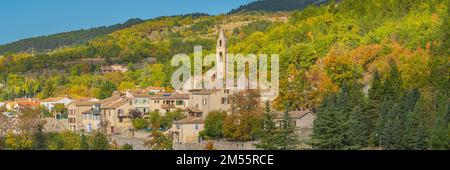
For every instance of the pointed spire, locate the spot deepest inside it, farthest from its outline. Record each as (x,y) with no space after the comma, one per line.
(222,34)
(222,40)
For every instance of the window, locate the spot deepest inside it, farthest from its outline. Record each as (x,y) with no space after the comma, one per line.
(224,100)
(220,43)
(196,126)
(178,126)
(205,102)
(180,102)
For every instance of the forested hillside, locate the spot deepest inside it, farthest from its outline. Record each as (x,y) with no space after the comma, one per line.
(276,5)
(44,43)
(376,72)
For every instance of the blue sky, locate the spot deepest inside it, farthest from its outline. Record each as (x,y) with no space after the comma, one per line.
(29,18)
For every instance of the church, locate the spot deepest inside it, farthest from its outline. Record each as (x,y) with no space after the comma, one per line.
(219,73)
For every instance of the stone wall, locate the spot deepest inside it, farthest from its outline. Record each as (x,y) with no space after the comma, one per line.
(218,145)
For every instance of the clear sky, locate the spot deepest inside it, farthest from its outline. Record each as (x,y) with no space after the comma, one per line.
(21,19)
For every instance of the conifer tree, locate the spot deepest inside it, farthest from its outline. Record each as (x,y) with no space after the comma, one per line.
(358,131)
(391,133)
(440,134)
(288,137)
(392,87)
(327,129)
(422,138)
(268,135)
(374,105)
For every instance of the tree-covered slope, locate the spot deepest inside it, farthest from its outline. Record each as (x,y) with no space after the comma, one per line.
(276,5)
(44,43)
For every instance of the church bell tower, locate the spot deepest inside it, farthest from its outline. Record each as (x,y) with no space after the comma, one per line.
(221,56)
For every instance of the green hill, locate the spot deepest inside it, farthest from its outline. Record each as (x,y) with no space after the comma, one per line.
(44,43)
(276,5)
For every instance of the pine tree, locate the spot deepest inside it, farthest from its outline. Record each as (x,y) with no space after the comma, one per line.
(268,135)
(327,129)
(409,133)
(422,138)
(391,133)
(374,105)
(358,130)
(408,119)
(392,87)
(440,135)
(288,137)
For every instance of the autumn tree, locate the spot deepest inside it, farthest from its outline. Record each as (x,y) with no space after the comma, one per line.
(159,141)
(243,123)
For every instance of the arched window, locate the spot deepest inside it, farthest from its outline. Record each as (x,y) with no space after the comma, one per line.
(220,43)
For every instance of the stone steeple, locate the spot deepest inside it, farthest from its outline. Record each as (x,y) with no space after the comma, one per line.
(221,55)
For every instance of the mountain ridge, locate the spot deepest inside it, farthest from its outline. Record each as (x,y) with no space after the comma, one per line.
(54,41)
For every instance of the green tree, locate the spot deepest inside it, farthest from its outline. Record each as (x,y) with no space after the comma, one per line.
(422,138)
(288,136)
(440,134)
(39,139)
(269,131)
(375,101)
(159,141)
(99,141)
(127,147)
(106,90)
(214,124)
(140,123)
(327,129)
(84,144)
(60,110)
(358,129)
(155,120)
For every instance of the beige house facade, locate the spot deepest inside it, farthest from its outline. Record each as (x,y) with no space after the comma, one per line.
(116,115)
(187,130)
(168,102)
(75,113)
(210,100)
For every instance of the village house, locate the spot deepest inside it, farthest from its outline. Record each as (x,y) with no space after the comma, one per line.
(155,90)
(303,121)
(76,109)
(209,100)
(116,68)
(116,116)
(51,102)
(140,100)
(19,106)
(168,102)
(91,119)
(187,130)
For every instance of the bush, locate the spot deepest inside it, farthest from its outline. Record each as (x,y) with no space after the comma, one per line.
(127,147)
(140,123)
